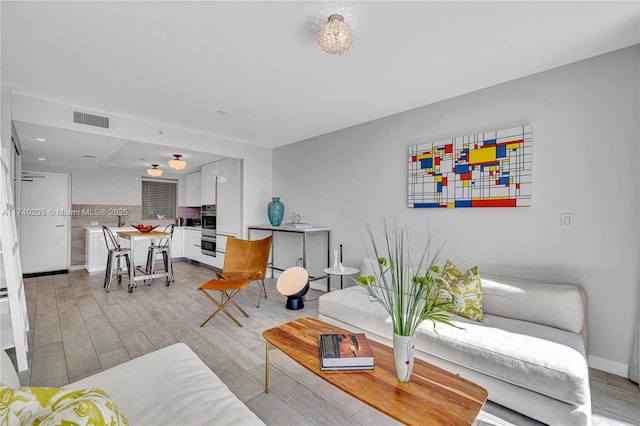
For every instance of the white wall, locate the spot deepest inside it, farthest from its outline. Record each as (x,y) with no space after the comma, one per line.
(106,185)
(5,118)
(257,160)
(585,152)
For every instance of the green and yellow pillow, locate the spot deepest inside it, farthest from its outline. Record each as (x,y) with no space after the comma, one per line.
(56,406)
(466,289)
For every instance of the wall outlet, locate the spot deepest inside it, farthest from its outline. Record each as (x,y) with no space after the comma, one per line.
(95,223)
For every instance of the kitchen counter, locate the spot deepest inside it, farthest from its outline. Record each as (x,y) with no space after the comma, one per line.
(96,250)
(129,228)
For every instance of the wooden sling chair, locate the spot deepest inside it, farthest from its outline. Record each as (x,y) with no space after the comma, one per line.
(244,261)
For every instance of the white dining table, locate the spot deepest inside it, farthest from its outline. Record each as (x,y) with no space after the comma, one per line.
(134,236)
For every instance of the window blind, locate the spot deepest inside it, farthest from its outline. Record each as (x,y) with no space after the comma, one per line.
(159,198)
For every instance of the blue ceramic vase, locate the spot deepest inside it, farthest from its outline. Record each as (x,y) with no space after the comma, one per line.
(275,210)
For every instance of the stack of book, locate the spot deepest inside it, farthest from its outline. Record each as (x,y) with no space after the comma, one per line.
(345,352)
(298,225)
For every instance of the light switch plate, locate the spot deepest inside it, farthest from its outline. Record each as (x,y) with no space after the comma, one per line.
(566,220)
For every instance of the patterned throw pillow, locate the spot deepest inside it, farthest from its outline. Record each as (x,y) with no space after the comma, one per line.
(466,288)
(55,406)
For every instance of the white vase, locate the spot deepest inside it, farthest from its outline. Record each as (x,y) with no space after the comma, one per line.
(403,349)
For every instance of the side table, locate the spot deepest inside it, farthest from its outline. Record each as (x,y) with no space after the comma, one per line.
(347,271)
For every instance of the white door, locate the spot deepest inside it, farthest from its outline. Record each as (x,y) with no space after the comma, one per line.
(45,222)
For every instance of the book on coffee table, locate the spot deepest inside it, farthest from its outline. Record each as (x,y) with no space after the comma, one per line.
(348,351)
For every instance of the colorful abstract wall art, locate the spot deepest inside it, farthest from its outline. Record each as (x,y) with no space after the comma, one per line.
(490,169)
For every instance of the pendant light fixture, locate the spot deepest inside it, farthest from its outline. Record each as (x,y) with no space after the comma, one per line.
(335,36)
(177,163)
(154,171)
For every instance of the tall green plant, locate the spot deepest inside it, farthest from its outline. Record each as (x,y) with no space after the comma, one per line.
(410,292)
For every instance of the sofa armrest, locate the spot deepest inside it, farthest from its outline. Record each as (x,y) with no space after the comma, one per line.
(8,373)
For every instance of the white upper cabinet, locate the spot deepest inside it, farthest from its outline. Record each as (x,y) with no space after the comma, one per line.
(220,183)
(209,184)
(194,189)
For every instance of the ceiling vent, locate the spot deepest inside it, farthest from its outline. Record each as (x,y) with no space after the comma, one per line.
(91,119)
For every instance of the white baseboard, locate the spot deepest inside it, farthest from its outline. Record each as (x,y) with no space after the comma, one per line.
(77,267)
(612,367)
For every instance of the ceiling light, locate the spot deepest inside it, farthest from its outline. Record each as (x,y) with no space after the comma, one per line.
(335,36)
(41,158)
(177,163)
(41,139)
(154,171)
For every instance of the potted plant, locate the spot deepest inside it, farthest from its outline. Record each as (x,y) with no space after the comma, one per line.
(411,292)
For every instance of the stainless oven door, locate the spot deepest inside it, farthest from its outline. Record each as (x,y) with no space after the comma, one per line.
(208,221)
(208,214)
(208,245)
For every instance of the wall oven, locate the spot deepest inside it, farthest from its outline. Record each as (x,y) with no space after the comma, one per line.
(208,217)
(208,245)
(208,238)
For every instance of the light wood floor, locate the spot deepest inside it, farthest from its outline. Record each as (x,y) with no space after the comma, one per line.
(77,330)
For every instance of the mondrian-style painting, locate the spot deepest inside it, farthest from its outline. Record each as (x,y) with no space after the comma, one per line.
(490,169)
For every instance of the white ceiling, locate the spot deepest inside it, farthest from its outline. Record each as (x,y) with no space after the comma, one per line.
(71,148)
(178,63)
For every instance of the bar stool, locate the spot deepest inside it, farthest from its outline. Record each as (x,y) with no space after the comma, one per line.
(161,246)
(115,252)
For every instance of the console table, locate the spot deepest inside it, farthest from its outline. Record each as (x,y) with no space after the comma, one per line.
(304,232)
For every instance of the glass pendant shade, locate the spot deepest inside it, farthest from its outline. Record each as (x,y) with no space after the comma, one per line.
(335,36)
(177,163)
(154,171)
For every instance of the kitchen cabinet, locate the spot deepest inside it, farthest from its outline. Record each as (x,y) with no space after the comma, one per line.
(194,189)
(221,246)
(192,249)
(221,184)
(96,253)
(229,197)
(209,183)
(192,244)
(177,242)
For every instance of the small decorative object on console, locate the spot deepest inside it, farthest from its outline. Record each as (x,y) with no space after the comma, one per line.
(295,217)
(345,352)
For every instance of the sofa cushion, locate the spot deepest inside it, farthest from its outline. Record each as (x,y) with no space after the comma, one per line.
(467,291)
(544,359)
(541,358)
(555,305)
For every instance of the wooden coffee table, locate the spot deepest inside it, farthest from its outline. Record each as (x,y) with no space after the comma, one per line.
(432,396)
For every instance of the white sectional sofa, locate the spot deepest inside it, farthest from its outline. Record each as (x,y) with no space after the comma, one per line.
(529,353)
(170,386)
